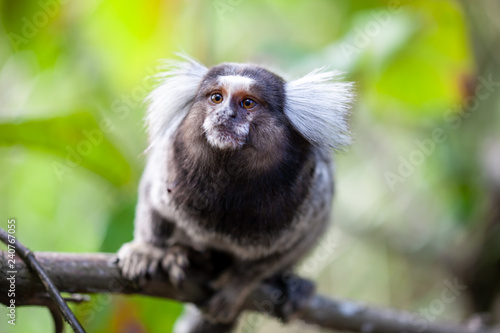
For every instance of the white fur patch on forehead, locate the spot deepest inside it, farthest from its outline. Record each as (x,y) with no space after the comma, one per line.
(235,82)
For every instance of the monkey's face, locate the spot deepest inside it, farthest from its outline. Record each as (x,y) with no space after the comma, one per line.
(238,103)
(230,108)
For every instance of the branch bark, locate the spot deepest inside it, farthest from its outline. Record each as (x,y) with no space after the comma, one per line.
(98,273)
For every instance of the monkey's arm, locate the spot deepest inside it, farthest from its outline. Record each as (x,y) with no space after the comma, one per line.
(151,248)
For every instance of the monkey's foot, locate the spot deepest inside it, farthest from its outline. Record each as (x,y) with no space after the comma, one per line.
(225,305)
(138,261)
(297,293)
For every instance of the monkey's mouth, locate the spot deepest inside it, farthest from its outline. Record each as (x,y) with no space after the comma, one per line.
(224,130)
(226,137)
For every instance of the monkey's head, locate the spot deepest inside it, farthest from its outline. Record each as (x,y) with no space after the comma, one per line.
(233,106)
(240,104)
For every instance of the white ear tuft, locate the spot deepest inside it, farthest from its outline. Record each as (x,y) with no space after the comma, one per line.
(174,96)
(318,107)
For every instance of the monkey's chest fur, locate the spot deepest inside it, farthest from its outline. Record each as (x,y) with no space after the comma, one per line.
(220,194)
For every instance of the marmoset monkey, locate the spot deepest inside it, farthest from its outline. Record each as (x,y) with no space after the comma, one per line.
(239,163)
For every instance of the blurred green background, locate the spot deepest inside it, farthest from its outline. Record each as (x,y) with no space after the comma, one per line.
(418,193)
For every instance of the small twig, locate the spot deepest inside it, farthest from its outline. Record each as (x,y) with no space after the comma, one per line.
(77,298)
(46,301)
(73,298)
(29,258)
(57,318)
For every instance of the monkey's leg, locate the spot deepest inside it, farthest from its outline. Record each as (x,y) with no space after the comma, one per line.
(149,252)
(240,279)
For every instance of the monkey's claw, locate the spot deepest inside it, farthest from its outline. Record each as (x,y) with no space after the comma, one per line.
(138,261)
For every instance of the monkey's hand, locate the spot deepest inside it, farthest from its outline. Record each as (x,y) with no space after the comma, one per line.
(138,260)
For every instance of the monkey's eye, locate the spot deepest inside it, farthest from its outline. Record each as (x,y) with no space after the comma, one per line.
(247,103)
(216,98)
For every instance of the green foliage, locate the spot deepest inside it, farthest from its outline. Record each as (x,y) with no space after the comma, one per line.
(77,139)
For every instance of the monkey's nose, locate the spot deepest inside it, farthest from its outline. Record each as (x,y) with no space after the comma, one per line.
(229,112)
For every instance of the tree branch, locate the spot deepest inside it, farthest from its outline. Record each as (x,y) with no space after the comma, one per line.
(98,273)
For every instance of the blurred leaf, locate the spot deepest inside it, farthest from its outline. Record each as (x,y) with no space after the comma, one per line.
(158,315)
(120,226)
(77,138)
(424,76)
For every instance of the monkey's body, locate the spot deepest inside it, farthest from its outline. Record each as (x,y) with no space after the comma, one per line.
(249,216)
(224,177)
